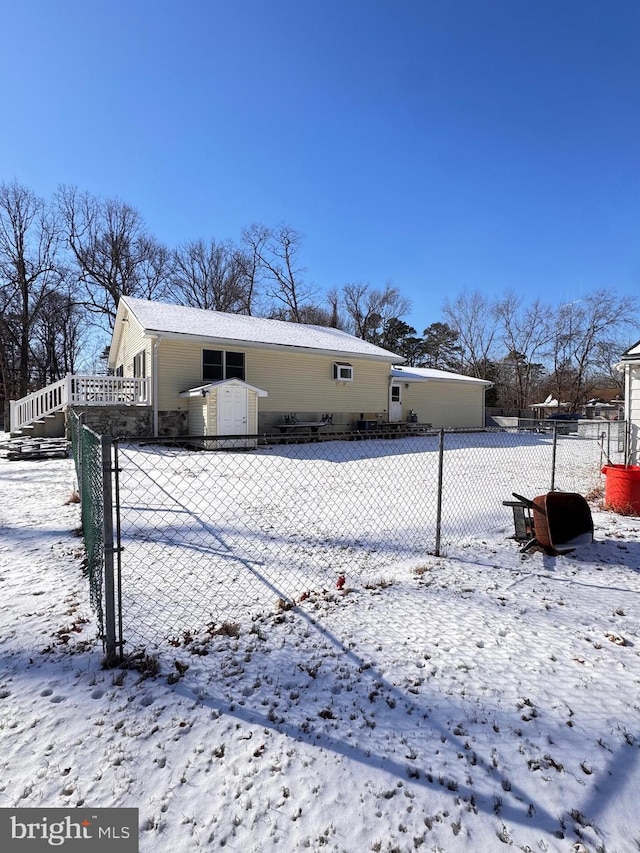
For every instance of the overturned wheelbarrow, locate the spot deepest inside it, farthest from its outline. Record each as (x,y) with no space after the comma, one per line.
(558,522)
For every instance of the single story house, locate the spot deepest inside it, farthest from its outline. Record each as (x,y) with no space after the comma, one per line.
(182,371)
(630,363)
(305,372)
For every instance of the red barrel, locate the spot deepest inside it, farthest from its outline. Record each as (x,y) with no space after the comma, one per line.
(622,488)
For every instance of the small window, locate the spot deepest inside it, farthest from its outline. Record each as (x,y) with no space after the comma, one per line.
(395,393)
(342,371)
(140,365)
(120,370)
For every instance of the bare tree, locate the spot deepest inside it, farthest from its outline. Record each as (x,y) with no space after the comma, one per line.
(582,330)
(369,311)
(333,301)
(357,307)
(474,320)
(211,275)
(114,253)
(29,273)
(275,253)
(606,360)
(58,336)
(526,335)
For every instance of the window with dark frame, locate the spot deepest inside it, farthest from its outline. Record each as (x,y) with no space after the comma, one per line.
(234,365)
(218,365)
(212,365)
(140,365)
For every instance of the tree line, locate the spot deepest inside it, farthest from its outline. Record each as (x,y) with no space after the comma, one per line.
(66,261)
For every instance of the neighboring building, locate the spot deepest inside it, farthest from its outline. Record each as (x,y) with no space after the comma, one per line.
(631,365)
(605,404)
(548,407)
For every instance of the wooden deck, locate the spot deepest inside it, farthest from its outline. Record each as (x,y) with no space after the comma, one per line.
(34,448)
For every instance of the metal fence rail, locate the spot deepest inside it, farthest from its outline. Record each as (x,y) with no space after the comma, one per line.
(218,536)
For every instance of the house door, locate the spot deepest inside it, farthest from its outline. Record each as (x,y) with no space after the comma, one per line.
(395,403)
(233,411)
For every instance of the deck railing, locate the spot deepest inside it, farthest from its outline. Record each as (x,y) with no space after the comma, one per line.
(75,390)
(108,391)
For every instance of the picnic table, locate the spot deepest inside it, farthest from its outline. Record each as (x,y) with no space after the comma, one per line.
(307,426)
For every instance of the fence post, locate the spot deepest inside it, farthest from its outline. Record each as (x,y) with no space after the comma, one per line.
(118,544)
(107,544)
(79,427)
(553,456)
(440,482)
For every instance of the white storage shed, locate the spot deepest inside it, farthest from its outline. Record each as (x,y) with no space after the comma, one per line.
(228,407)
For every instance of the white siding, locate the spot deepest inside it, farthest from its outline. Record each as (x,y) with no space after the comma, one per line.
(197,420)
(253,412)
(632,393)
(132,341)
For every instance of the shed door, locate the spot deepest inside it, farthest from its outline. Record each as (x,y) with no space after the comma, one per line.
(233,410)
(395,403)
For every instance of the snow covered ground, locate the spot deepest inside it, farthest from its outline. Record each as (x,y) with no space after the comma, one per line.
(477,701)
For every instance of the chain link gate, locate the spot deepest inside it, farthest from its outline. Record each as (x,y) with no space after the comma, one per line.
(95,469)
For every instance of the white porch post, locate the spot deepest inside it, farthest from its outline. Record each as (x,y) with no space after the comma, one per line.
(154,385)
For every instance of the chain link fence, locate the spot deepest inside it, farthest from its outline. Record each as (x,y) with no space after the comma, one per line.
(87,453)
(213,537)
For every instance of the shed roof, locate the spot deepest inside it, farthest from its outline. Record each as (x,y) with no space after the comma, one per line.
(179,320)
(207,387)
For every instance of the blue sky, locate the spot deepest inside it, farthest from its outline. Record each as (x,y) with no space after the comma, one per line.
(442,145)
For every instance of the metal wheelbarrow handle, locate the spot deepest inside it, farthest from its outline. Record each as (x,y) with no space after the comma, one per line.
(529,503)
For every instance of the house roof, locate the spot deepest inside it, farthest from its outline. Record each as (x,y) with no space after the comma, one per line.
(181,321)
(549,403)
(632,354)
(429,374)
